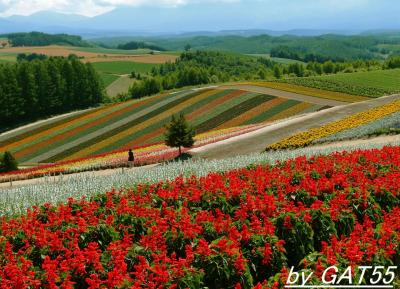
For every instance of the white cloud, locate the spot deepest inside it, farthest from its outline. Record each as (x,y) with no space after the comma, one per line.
(83,7)
(96,7)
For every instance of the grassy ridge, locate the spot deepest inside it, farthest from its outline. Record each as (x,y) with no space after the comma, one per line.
(142,122)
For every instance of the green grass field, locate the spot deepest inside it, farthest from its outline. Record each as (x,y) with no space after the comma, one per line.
(108,78)
(372,83)
(122,67)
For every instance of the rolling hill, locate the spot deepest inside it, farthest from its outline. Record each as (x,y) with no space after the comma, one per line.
(369,83)
(140,122)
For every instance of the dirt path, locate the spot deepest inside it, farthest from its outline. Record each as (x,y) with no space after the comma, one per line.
(257,141)
(285,94)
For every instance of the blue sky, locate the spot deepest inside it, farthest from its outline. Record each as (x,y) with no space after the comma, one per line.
(269,14)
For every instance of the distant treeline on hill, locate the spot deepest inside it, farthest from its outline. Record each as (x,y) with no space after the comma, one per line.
(132,45)
(44,39)
(204,67)
(305,48)
(201,67)
(37,89)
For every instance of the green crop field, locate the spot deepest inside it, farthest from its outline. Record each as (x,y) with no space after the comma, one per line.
(107,78)
(372,83)
(141,122)
(122,67)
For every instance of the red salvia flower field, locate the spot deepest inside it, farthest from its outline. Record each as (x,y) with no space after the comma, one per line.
(237,229)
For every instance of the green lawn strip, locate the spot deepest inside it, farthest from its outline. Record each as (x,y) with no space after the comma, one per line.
(187,110)
(123,67)
(272,111)
(46,125)
(121,128)
(233,112)
(91,129)
(51,145)
(107,78)
(9,53)
(223,107)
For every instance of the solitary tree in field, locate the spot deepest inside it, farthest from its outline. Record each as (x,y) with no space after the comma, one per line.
(8,163)
(179,133)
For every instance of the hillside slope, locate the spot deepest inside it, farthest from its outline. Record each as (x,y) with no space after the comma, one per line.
(257,141)
(140,122)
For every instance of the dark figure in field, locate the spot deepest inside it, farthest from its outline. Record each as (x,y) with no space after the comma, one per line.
(131,158)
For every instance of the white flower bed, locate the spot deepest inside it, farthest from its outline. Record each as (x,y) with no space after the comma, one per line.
(17,200)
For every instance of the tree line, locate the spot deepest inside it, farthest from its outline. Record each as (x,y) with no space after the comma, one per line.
(305,55)
(205,67)
(41,88)
(133,45)
(197,68)
(329,67)
(44,39)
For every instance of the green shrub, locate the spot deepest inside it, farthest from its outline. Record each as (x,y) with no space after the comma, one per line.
(8,163)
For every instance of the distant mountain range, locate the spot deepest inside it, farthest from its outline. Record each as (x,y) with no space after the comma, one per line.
(221,19)
(151,21)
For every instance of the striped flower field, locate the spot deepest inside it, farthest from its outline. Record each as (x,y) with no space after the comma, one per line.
(141,122)
(144,155)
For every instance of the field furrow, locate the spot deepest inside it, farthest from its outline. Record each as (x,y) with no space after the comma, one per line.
(111,129)
(268,114)
(233,112)
(108,134)
(142,122)
(296,109)
(135,138)
(82,129)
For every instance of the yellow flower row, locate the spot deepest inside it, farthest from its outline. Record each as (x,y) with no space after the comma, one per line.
(307,137)
(312,91)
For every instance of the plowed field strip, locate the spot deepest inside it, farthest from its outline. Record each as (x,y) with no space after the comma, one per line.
(233,112)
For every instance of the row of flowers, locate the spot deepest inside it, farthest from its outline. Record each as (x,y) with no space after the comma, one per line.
(386,125)
(144,155)
(306,138)
(238,229)
(327,94)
